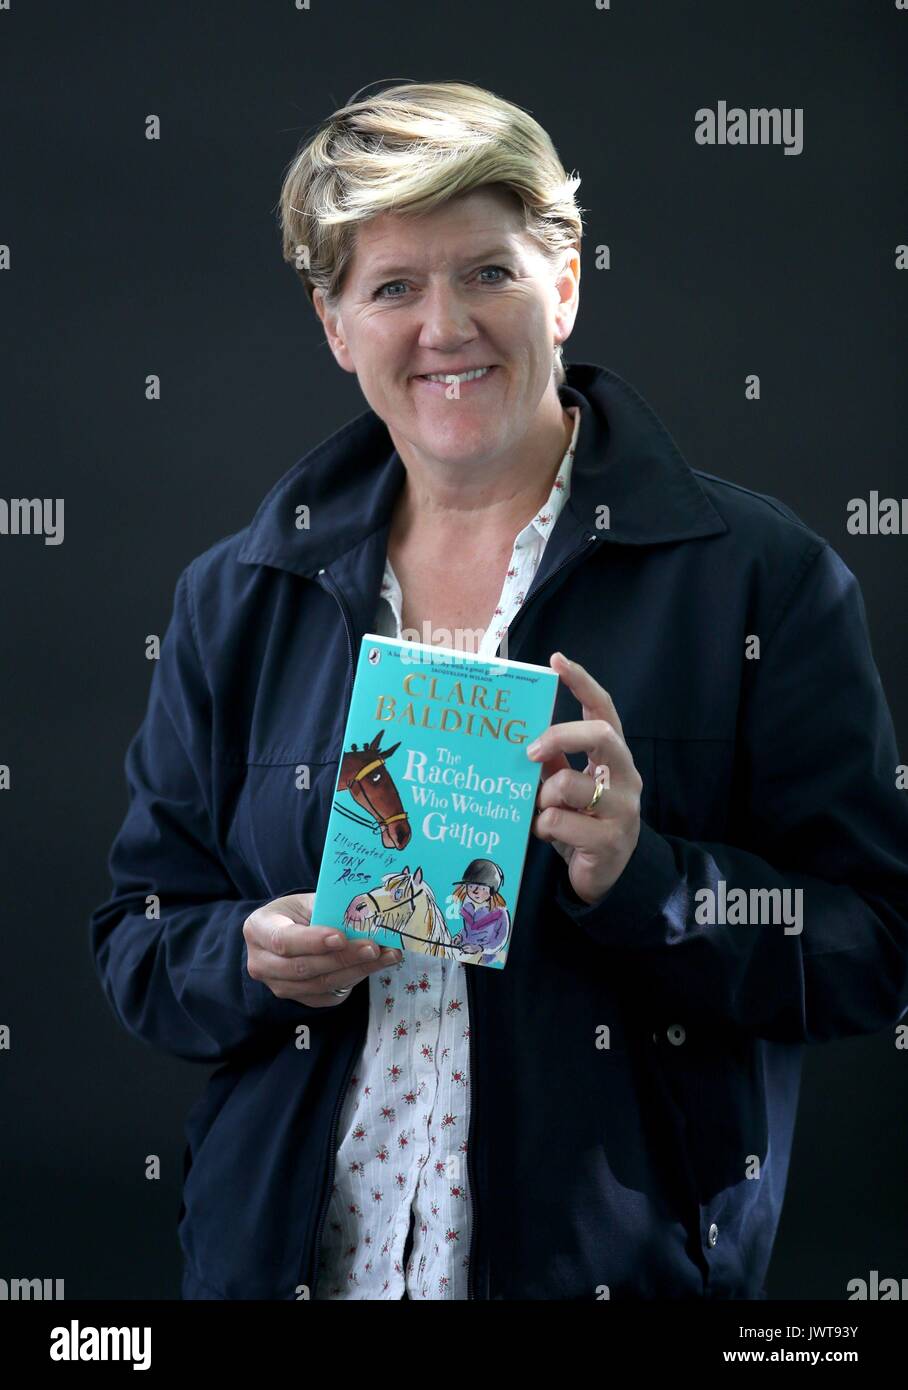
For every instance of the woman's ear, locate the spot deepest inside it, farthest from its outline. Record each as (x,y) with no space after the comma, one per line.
(567,287)
(334,331)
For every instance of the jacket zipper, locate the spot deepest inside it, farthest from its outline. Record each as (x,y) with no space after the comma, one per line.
(471,1172)
(345,613)
(568,559)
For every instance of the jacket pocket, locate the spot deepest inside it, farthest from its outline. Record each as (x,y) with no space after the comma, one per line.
(715,1083)
(280,822)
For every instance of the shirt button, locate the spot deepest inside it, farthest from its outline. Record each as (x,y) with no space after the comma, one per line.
(676,1034)
(712,1235)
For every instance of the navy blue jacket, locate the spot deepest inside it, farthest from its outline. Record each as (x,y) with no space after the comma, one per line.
(655,1166)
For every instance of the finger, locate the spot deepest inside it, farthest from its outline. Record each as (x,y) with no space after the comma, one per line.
(344,979)
(575,790)
(265,965)
(304,987)
(325,1001)
(322,986)
(599,740)
(319,998)
(595,834)
(552,765)
(596,701)
(550,768)
(359,955)
(274,931)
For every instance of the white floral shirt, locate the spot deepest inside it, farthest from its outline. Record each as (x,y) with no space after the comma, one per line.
(402,1160)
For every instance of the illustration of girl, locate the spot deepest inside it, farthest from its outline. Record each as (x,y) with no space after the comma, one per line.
(486,922)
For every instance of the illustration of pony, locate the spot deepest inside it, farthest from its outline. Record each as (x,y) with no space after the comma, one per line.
(364,775)
(403,903)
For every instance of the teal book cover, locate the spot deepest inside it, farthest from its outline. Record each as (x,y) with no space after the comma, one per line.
(431,814)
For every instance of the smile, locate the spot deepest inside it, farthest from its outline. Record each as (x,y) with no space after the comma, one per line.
(462,378)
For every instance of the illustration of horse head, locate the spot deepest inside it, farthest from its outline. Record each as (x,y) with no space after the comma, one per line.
(364,775)
(403,903)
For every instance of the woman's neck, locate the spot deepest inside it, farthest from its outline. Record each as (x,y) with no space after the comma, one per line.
(431,509)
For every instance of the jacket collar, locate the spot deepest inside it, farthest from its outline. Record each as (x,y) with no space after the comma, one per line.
(626,460)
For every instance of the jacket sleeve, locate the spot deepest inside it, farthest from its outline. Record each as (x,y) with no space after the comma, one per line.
(179,981)
(816,809)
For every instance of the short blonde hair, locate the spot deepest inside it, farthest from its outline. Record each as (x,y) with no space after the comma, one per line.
(408,149)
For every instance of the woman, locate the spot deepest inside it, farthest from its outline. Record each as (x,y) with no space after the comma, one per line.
(610,1115)
(483,910)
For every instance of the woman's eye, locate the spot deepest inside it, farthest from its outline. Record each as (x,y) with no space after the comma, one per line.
(379,293)
(385,291)
(499,269)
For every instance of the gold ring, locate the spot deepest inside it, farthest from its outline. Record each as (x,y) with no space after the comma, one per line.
(600,783)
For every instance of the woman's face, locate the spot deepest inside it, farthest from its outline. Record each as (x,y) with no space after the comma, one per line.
(479,892)
(455,289)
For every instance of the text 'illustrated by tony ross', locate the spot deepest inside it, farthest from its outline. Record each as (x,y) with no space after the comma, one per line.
(431,814)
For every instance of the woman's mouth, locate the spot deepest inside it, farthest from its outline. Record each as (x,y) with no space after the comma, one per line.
(468,380)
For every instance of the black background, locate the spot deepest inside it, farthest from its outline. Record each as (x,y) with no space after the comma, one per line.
(132,257)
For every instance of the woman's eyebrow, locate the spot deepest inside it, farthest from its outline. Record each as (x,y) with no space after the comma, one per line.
(385,271)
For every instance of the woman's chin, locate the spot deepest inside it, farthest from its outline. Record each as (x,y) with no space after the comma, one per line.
(462,441)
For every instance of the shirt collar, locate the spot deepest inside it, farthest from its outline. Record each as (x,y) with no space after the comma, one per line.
(544,520)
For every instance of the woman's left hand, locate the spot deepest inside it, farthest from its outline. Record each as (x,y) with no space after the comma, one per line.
(596,845)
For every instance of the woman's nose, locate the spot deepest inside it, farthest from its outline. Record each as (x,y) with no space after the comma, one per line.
(446,321)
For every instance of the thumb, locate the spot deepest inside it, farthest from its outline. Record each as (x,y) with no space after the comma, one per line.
(298,905)
(304,903)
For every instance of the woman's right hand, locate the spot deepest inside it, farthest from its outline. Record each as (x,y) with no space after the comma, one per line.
(298,961)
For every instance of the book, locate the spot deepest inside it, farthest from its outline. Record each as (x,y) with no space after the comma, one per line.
(430,818)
